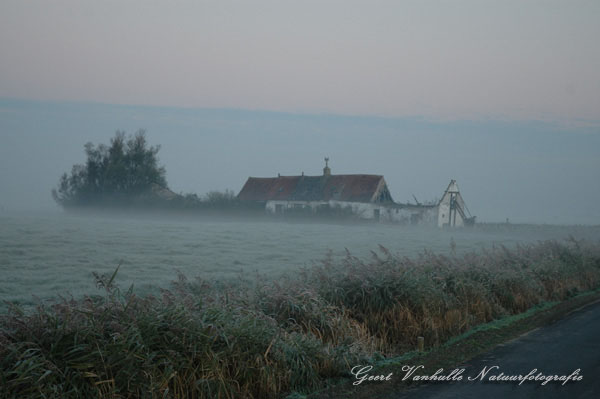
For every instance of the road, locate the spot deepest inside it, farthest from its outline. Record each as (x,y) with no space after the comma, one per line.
(557,349)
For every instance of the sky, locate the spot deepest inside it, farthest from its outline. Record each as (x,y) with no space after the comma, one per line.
(439,59)
(502,96)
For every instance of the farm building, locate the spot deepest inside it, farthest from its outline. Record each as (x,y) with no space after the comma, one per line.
(364,196)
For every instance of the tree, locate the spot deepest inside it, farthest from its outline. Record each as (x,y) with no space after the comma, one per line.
(112,174)
(220,200)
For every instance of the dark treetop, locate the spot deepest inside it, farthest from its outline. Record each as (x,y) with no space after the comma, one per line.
(115,174)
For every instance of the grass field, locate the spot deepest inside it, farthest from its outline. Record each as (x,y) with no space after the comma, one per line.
(46,255)
(265,338)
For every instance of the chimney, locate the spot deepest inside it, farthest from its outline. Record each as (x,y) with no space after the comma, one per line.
(326,169)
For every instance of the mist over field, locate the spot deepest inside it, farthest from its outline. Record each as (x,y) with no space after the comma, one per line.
(45,255)
(131,267)
(537,173)
(528,172)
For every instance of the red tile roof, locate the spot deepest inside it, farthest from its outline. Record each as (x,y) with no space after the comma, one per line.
(352,188)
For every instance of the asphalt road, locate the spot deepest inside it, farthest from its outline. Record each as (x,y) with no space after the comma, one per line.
(558,349)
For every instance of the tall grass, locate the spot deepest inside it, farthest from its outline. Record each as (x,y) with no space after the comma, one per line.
(264,338)
(398,299)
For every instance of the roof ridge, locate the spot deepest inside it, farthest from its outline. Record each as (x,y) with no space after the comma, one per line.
(346,174)
(348,187)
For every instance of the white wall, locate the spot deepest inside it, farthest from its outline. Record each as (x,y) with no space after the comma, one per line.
(422,216)
(444,211)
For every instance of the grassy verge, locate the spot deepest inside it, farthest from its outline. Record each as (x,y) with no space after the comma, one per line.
(265,340)
(457,350)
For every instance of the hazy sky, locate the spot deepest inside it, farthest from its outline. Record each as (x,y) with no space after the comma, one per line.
(503,96)
(526,171)
(440,59)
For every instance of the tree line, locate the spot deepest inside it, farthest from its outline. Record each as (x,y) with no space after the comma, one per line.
(122,170)
(127,172)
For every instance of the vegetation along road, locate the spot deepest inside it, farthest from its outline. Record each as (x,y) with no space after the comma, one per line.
(561,349)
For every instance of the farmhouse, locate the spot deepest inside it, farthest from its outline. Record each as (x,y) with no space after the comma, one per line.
(364,196)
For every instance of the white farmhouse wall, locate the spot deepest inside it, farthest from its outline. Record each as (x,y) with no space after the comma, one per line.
(444,211)
(438,215)
(272,206)
(393,214)
(361,209)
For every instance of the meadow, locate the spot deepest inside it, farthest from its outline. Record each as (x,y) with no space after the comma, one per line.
(46,255)
(292,329)
(259,339)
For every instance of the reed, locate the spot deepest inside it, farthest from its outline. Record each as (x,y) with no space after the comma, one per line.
(264,338)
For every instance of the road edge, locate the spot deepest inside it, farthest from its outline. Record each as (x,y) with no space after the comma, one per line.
(460,349)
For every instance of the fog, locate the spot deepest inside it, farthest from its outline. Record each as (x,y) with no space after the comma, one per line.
(529,172)
(502,97)
(118,283)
